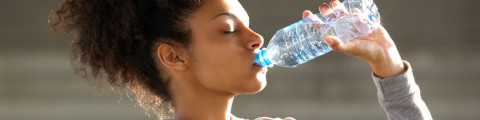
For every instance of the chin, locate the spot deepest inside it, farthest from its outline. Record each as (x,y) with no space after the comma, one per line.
(256,85)
(262,79)
(259,89)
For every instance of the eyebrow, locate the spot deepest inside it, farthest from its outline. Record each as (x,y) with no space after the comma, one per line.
(225,13)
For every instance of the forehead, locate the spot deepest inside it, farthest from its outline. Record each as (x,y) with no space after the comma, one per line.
(212,8)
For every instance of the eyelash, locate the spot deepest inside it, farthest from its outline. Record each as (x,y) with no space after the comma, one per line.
(229,32)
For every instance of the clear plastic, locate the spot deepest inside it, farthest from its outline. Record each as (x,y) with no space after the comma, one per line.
(303,40)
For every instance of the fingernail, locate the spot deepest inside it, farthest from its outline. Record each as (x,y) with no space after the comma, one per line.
(334,2)
(324,7)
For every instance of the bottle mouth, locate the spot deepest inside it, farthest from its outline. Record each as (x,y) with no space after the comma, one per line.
(262,60)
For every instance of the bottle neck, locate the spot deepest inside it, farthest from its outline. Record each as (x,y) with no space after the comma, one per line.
(262,59)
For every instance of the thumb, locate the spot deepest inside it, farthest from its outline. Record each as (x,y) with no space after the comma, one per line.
(335,43)
(349,48)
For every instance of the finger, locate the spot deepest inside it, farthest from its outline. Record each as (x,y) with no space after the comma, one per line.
(355,11)
(327,12)
(308,18)
(359,14)
(306,13)
(338,8)
(362,23)
(336,44)
(324,9)
(335,3)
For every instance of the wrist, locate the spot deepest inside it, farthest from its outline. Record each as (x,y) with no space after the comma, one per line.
(387,64)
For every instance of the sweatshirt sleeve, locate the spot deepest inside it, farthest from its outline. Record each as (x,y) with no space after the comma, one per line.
(400,96)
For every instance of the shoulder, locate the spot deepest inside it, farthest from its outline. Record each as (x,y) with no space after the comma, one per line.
(268,118)
(263,118)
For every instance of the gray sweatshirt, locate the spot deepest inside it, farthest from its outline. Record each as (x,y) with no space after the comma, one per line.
(399,96)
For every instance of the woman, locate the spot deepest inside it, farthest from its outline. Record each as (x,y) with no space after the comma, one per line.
(192,57)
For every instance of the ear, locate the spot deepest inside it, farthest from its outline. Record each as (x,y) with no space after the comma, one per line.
(172,57)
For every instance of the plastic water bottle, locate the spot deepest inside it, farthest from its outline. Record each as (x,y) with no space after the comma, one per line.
(303,40)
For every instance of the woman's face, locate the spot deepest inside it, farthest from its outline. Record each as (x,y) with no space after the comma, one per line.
(222,53)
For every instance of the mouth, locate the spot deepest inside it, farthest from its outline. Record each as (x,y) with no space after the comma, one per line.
(257,65)
(254,59)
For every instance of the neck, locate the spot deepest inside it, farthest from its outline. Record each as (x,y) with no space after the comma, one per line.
(194,102)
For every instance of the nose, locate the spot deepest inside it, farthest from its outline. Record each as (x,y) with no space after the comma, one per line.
(255,40)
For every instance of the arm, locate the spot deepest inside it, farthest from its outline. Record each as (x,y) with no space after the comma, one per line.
(400,96)
(398,93)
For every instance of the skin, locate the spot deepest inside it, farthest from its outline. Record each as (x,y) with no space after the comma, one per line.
(219,64)
(377,48)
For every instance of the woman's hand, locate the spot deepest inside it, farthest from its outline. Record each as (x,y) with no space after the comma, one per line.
(377,48)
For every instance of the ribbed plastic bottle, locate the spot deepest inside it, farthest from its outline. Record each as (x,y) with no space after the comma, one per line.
(303,40)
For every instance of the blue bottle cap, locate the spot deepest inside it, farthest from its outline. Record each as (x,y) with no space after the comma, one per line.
(262,59)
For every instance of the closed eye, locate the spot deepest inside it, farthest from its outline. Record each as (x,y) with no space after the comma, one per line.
(229,32)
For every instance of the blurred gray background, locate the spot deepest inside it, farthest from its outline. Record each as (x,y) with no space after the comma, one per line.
(440,38)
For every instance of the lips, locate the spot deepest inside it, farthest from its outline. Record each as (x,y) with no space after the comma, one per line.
(257,65)
(255,57)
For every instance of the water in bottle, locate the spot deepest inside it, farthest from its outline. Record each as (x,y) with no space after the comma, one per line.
(303,40)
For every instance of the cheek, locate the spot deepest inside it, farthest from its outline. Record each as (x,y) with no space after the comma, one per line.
(228,73)
(218,55)
(216,62)
(223,64)
(207,60)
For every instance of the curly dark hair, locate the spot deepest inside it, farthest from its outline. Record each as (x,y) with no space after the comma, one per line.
(116,40)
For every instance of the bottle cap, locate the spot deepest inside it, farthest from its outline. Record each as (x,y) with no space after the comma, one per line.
(262,59)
